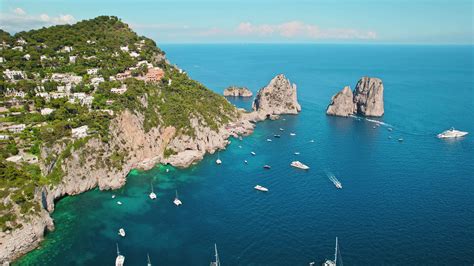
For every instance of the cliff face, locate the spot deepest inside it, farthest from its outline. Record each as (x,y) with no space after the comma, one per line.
(237,92)
(342,103)
(366,100)
(278,97)
(368,95)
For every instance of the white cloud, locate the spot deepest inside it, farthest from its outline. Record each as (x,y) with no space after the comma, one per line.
(301,30)
(19,11)
(19,20)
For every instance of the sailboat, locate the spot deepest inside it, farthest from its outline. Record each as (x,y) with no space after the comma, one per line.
(332,262)
(218,161)
(152,194)
(176,200)
(216,262)
(120,260)
(149,262)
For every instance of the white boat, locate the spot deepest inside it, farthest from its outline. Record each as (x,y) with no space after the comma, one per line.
(400,139)
(152,194)
(297,153)
(292,134)
(240,146)
(299,165)
(217,262)
(311,141)
(120,260)
(332,262)
(176,200)
(119,202)
(148,260)
(260,188)
(281,129)
(269,140)
(452,133)
(267,166)
(167,170)
(389,129)
(121,232)
(113,196)
(246,162)
(218,161)
(253,153)
(336,182)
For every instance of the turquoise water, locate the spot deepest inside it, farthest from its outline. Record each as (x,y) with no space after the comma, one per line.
(409,202)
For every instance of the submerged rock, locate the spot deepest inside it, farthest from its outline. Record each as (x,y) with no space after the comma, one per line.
(234,91)
(278,97)
(366,100)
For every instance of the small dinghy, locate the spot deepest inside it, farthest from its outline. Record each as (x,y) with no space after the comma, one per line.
(121,232)
(269,140)
(277,136)
(267,166)
(292,134)
(246,162)
(119,202)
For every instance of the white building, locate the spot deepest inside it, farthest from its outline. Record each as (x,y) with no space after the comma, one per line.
(124,48)
(21,41)
(134,54)
(17,128)
(2,59)
(66,78)
(4,137)
(18,48)
(92,71)
(44,95)
(46,111)
(67,49)
(96,81)
(27,57)
(57,95)
(14,74)
(80,132)
(120,90)
(43,57)
(72,59)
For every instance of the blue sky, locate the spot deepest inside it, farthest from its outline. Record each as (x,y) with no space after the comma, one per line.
(262,21)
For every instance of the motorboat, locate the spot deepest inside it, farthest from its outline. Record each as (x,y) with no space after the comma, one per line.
(452,133)
(261,188)
(296,153)
(217,262)
(253,153)
(121,232)
(267,166)
(218,161)
(277,136)
(120,260)
(269,140)
(300,165)
(332,262)
(292,134)
(119,202)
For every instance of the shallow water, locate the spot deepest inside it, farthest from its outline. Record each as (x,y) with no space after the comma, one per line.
(402,203)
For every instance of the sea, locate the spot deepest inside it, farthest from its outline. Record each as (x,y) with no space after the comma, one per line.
(407,202)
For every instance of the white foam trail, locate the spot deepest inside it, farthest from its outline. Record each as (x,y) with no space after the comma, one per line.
(378,122)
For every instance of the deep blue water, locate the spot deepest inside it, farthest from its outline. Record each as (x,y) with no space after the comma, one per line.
(403,203)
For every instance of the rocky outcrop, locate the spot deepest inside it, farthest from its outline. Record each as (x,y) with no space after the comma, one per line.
(342,104)
(234,91)
(90,166)
(278,97)
(366,100)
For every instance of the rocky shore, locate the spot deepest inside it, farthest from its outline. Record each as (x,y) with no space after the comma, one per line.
(366,100)
(86,169)
(234,91)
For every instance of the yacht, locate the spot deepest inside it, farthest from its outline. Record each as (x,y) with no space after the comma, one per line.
(121,232)
(260,188)
(292,134)
(148,261)
(176,200)
(217,261)
(332,262)
(253,153)
(267,166)
(152,194)
(120,260)
(452,133)
(299,165)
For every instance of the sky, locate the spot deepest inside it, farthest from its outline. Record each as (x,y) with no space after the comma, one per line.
(262,21)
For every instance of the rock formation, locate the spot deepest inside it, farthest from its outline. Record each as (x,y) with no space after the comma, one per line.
(342,104)
(234,91)
(366,100)
(278,97)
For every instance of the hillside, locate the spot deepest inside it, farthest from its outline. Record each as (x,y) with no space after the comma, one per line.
(82,104)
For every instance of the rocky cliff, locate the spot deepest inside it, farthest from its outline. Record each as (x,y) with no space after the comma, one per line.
(234,91)
(91,165)
(278,97)
(366,100)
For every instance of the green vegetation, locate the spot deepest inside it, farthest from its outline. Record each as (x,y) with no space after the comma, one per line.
(96,49)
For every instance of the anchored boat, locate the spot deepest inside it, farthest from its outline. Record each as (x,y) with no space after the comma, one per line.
(152,194)
(261,188)
(300,165)
(452,133)
(121,232)
(218,161)
(176,200)
(120,260)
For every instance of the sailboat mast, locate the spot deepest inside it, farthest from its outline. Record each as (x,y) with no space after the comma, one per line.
(217,256)
(335,254)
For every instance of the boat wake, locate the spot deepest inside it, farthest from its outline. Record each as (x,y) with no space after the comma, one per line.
(334,180)
(371,121)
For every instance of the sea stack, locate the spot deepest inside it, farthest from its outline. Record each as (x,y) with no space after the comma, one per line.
(367,99)
(234,91)
(278,97)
